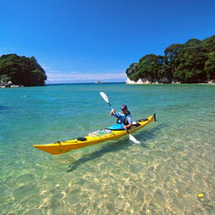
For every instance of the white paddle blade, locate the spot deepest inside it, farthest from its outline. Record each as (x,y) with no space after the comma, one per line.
(104,96)
(133,139)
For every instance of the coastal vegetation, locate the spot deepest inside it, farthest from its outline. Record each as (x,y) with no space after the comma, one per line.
(20,70)
(191,62)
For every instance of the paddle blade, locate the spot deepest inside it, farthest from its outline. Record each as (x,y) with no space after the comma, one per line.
(104,96)
(133,139)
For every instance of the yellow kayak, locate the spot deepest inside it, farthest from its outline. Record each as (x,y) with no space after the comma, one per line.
(93,138)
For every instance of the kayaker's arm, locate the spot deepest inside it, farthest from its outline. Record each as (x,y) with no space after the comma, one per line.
(112,111)
(129,122)
(127,126)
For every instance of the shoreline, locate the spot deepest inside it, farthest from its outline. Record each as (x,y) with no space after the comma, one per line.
(11,86)
(148,82)
(126,83)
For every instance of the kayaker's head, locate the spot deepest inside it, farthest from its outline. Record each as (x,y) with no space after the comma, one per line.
(124,108)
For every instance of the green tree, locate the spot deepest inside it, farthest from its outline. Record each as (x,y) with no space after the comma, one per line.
(22,70)
(209,44)
(172,51)
(191,62)
(4,79)
(210,66)
(149,67)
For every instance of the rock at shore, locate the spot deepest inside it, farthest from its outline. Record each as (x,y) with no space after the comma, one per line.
(140,81)
(147,81)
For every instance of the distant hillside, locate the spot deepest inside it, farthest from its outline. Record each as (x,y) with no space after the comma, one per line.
(191,62)
(21,71)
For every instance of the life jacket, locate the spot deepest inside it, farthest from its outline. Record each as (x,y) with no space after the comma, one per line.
(122,119)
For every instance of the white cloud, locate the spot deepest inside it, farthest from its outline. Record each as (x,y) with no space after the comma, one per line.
(55,76)
(46,68)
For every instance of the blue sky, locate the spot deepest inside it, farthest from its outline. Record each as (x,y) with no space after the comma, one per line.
(90,40)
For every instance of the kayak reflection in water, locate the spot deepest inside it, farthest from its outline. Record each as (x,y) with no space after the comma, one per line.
(124,117)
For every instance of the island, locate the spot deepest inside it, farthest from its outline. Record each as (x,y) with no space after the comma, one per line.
(18,71)
(191,62)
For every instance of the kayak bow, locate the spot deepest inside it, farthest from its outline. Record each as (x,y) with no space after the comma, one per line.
(93,138)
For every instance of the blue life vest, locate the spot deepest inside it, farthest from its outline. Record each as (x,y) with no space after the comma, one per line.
(121,119)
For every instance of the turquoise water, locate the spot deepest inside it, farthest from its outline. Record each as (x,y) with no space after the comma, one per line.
(163,175)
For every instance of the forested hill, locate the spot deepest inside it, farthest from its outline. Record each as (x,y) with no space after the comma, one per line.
(191,62)
(21,70)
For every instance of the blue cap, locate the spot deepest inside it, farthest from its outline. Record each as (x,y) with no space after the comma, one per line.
(124,107)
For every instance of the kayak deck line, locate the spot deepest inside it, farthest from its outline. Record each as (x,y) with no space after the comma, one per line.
(92,138)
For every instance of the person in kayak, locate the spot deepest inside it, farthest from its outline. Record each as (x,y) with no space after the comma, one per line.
(124,117)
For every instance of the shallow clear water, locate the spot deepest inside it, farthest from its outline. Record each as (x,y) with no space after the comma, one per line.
(163,175)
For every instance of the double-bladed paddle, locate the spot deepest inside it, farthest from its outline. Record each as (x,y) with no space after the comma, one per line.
(131,138)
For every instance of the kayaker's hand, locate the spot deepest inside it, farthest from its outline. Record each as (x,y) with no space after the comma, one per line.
(112,111)
(127,126)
